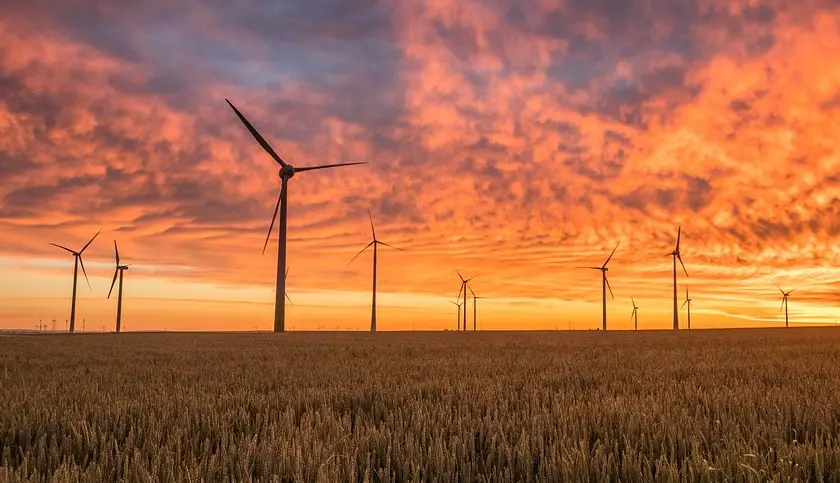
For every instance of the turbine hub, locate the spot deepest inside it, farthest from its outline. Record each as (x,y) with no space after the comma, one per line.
(287,171)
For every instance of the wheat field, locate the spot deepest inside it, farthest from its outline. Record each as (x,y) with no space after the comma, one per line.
(748,405)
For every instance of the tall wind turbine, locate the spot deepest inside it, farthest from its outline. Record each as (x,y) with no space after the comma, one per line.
(605,284)
(464,282)
(635,315)
(458,317)
(687,302)
(475,309)
(374,244)
(785,296)
(77,261)
(287,171)
(119,270)
(676,255)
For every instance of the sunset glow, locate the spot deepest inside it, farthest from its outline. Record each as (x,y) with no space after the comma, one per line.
(512,140)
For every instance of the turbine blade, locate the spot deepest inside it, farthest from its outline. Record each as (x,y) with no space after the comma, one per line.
(290,300)
(459,275)
(362,251)
(372,229)
(794,290)
(82,263)
(608,285)
(683,265)
(632,314)
(780,289)
(287,272)
(324,166)
(267,147)
(391,246)
(113,282)
(88,243)
(686,292)
(116,253)
(611,254)
(63,248)
(683,304)
(461,289)
(471,291)
(590,268)
(274,216)
(679,232)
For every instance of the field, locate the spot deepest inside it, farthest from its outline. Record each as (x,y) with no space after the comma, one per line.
(749,405)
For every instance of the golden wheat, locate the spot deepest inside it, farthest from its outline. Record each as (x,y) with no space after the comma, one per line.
(702,406)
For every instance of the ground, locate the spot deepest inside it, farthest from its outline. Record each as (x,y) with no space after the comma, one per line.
(741,405)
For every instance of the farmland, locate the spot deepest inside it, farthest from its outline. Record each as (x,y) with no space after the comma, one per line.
(748,405)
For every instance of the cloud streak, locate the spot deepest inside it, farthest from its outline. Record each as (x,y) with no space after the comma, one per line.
(511,139)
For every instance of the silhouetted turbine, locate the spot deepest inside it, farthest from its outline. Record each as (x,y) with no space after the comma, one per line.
(464,282)
(457,317)
(687,302)
(785,296)
(119,270)
(475,309)
(605,284)
(284,278)
(676,255)
(77,261)
(287,171)
(373,243)
(635,315)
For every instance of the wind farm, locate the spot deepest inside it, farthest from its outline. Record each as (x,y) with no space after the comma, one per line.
(516,148)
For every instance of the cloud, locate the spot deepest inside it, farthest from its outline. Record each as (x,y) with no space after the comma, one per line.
(517,139)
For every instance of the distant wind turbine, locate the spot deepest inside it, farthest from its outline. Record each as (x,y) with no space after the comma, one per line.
(605,284)
(287,171)
(118,271)
(77,261)
(374,244)
(475,309)
(676,255)
(687,302)
(464,282)
(785,296)
(457,317)
(635,315)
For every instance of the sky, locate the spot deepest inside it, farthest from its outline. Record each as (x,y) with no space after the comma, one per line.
(511,140)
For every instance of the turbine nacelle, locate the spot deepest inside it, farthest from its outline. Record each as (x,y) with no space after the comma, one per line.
(287,171)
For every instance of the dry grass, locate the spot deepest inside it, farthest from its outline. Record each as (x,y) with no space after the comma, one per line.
(742,405)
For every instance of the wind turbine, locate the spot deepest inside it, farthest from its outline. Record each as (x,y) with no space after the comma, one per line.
(119,270)
(77,261)
(687,302)
(287,171)
(475,309)
(464,283)
(284,278)
(458,317)
(605,284)
(676,255)
(635,315)
(373,243)
(785,296)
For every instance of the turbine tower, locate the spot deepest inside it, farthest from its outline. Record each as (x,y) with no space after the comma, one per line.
(375,244)
(77,261)
(676,255)
(635,315)
(687,302)
(605,284)
(475,309)
(785,296)
(119,270)
(464,282)
(287,171)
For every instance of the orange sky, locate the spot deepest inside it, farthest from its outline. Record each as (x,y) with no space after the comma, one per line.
(511,140)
